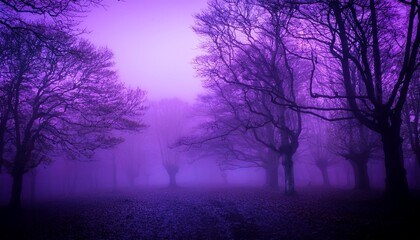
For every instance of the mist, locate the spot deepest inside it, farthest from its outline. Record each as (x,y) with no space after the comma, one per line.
(210,119)
(138,163)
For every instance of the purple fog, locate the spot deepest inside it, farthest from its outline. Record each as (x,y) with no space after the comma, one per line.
(209,119)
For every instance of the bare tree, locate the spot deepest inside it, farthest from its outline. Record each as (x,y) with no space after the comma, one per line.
(357,144)
(59,14)
(228,135)
(316,137)
(31,17)
(131,166)
(373,46)
(66,103)
(169,123)
(247,47)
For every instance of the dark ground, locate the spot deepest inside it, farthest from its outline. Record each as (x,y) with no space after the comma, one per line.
(224,213)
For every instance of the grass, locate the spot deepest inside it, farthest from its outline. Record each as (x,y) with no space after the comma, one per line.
(216,213)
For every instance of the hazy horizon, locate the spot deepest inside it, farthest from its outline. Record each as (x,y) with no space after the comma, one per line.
(153,44)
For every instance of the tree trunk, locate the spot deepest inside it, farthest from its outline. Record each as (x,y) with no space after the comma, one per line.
(33,186)
(325,177)
(15,201)
(288,174)
(322,164)
(224,177)
(396,185)
(172,171)
(361,176)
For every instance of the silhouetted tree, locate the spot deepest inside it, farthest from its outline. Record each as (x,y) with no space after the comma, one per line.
(30,17)
(169,123)
(357,144)
(247,47)
(59,103)
(228,135)
(131,167)
(60,15)
(317,137)
(373,46)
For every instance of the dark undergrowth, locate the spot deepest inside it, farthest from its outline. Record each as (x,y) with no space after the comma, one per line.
(224,213)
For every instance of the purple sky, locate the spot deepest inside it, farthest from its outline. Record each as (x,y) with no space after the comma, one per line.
(153,43)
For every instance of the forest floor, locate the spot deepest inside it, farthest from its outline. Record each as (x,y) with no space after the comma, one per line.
(222,213)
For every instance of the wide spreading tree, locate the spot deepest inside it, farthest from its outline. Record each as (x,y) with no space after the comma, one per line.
(247,46)
(365,52)
(59,102)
